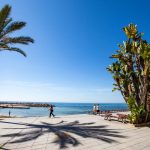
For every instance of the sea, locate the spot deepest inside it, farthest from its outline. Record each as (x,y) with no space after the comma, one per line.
(62,109)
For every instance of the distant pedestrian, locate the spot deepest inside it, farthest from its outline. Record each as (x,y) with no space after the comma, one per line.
(94,109)
(9,113)
(51,109)
(97,109)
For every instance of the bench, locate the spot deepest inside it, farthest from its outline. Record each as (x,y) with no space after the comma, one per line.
(107,116)
(120,117)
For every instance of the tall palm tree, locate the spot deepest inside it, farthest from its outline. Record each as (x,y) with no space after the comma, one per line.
(8,26)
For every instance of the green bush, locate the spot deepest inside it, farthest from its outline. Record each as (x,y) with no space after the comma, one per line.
(137,112)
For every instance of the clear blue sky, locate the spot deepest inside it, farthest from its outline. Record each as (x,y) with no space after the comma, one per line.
(73,42)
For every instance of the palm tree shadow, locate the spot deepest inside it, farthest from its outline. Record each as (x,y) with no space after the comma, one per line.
(65,132)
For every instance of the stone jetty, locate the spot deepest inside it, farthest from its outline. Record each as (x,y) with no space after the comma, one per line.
(22,105)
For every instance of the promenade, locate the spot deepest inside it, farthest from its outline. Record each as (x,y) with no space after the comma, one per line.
(74,132)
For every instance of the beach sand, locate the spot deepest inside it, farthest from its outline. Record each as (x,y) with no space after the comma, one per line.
(72,132)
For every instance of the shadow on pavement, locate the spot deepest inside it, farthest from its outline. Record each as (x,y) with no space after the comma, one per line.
(65,132)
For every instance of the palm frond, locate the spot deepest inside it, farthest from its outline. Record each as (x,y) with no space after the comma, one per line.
(2,33)
(14,26)
(15,49)
(3,46)
(18,40)
(4,14)
(7,27)
(7,21)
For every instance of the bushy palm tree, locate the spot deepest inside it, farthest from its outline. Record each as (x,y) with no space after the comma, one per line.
(131,73)
(8,26)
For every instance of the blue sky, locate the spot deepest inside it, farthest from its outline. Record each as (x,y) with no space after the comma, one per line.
(73,42)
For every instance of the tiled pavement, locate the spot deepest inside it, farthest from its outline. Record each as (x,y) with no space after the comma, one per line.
(76,132)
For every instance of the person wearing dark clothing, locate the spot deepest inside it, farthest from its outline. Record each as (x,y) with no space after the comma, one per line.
(9,113)
(51,109)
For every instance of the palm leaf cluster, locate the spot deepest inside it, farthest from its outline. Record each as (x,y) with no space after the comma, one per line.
(131,73)
(8,26)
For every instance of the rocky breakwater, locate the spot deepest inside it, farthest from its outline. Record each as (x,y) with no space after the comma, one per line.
(37,104)
(23,105)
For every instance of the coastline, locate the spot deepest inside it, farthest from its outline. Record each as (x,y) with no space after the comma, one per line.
(63,116)
(64,109)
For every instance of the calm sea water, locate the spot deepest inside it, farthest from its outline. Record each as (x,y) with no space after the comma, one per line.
(62,109)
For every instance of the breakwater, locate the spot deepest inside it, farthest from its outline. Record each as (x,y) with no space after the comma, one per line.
(22,105)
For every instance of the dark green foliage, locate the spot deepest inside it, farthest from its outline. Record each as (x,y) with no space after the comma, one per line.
(7,26)
(137,112)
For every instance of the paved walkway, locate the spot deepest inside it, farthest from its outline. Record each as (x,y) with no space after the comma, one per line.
(76,132)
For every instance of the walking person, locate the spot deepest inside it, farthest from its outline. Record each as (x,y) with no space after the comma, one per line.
(9,113)
(51,109)
(97,109)
(94,109)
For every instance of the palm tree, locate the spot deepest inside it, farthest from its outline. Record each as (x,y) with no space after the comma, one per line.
(7,27)
(131,73)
